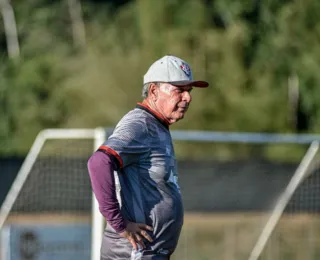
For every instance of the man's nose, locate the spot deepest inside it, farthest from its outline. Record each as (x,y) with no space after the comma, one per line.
(186,96)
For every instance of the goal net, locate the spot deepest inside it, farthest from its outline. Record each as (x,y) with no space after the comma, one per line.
(47,213)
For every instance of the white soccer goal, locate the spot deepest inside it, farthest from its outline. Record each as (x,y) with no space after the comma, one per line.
(53,188)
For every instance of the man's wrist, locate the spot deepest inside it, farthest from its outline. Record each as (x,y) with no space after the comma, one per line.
(119,226)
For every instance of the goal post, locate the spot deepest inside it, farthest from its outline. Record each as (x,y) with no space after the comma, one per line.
(58,189)
(97,219)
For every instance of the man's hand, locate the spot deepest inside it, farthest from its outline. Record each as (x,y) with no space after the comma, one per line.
(135,232)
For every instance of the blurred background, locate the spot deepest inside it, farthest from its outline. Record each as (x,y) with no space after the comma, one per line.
(74,64)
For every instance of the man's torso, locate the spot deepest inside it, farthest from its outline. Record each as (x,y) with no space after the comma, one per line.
(147,187)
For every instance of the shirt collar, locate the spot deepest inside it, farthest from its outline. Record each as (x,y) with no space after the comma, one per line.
(154,113)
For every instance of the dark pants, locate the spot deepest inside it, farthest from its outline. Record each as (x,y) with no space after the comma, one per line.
(118,248)
(147,257)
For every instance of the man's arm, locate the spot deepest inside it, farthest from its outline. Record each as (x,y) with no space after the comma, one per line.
(101,167)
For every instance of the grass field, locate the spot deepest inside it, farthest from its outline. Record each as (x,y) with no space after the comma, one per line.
(232,237)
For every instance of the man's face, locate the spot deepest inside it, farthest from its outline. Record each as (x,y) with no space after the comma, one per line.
(173,102)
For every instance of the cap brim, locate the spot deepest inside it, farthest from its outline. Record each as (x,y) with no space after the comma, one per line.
(193,83)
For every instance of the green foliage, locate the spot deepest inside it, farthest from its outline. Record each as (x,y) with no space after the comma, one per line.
(245,49)
(31,98)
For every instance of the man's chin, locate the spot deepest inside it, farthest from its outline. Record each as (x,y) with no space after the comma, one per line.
(174,120)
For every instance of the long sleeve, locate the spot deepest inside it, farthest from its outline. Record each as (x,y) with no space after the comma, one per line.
(101,168)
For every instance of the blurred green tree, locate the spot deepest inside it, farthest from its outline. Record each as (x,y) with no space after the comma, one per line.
(31,98)
(247,50)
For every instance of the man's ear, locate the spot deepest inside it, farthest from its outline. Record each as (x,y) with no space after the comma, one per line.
(153,91)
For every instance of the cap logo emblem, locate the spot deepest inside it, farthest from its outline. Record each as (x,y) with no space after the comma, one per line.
(186,69)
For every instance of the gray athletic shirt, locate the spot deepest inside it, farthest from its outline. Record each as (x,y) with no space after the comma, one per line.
(147,188)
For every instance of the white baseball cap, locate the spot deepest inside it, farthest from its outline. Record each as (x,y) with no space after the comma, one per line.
(173,70)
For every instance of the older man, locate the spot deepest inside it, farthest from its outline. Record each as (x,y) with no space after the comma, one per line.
(134,174)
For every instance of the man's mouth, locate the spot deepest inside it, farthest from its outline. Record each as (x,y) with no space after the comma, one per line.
(182,109)
(185,106)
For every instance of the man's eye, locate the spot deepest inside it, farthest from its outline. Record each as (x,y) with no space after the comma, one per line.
(183,90)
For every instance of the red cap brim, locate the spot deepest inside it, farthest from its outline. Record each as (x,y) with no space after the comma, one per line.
(193,83)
